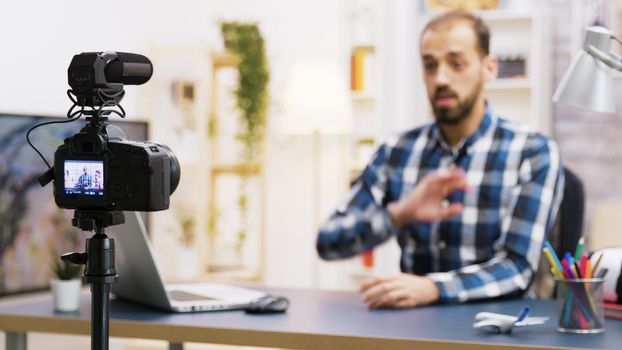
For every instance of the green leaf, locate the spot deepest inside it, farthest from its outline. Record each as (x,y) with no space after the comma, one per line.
(65,271)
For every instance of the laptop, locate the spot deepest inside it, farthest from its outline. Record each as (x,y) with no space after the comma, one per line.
(141,282)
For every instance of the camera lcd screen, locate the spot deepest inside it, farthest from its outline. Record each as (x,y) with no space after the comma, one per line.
(84,177)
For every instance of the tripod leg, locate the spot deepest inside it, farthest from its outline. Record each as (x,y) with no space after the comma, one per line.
(100,315)
(16,341)
(175,346)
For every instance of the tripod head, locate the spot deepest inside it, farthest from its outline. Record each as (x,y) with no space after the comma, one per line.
(96,220)
(99,255)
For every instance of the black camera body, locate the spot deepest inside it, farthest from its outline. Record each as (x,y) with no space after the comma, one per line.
(95,172)
(98,169)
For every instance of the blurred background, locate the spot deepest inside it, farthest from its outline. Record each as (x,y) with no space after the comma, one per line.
(271,132)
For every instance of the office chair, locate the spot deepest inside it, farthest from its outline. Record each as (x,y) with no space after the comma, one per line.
(565,234)
(570,216)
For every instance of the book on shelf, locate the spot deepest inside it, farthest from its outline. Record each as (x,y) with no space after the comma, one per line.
(361,70)
(613,311)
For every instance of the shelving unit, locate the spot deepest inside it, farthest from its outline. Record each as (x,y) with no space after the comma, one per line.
(528,99)
(365,50)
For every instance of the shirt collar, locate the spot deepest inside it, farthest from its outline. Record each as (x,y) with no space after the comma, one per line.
(468,142)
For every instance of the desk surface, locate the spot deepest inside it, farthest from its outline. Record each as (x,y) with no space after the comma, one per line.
(316,320)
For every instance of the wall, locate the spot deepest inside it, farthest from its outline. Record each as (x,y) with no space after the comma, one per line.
(589,142)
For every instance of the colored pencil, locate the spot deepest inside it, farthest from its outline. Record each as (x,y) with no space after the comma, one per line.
(556,269)
(553,255)
(583,265)
(595,267)
(579,251)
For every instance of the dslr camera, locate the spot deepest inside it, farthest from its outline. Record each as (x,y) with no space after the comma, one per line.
(98,169)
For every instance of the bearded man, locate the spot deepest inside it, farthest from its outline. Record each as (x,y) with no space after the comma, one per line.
(470,197)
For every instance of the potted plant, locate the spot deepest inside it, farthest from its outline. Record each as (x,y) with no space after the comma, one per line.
(66,285)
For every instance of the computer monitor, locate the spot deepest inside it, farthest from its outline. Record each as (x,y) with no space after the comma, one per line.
(33,230)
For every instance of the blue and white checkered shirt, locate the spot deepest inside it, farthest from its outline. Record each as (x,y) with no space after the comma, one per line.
(491,249)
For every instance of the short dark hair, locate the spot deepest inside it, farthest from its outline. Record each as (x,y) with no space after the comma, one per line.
(481,30)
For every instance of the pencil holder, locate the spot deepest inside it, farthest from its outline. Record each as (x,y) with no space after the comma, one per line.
(580,304)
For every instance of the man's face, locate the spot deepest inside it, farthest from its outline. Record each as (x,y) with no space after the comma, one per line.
(453,70)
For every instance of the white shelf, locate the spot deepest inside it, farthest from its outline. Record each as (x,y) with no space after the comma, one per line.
(491,16)
(364,46)
(509,84)
(504,16)
(362,96)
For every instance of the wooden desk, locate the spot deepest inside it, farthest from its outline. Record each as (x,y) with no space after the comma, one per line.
(315,320)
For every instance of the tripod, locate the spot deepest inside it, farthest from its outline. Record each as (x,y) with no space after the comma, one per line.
(100,269)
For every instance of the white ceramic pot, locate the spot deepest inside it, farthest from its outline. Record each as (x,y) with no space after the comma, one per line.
(187,264)
(66,294)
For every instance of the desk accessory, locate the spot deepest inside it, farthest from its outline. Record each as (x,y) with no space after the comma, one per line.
(579,291)
(501,323)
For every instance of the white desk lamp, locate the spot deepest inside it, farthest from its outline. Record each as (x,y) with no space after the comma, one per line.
(588,83)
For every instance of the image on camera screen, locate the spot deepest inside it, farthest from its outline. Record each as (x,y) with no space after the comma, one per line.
(84,177)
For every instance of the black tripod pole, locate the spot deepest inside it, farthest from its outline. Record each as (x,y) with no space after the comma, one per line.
(100,316)
(100,273)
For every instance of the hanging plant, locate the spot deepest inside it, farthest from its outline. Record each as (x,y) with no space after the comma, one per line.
(245,42)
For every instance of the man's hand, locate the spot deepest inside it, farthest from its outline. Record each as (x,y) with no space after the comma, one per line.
(399,291)
(426,202)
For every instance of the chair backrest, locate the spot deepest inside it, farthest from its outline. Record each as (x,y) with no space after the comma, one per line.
(571,214)
(605,228)
(566,232)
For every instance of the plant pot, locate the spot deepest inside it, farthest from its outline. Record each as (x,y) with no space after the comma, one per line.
(66,294)
(187,264)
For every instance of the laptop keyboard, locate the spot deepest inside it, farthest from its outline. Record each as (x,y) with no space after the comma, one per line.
(180,295)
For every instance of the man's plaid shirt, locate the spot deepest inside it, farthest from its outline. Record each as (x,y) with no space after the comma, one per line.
(493,247)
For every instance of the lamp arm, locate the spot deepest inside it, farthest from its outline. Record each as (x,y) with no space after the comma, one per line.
(612,60)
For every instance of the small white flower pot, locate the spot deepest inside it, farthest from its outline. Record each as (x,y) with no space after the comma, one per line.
(187,264)
(66,294)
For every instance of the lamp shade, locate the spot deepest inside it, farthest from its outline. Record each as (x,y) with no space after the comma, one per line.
(588,83)
(316,99)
